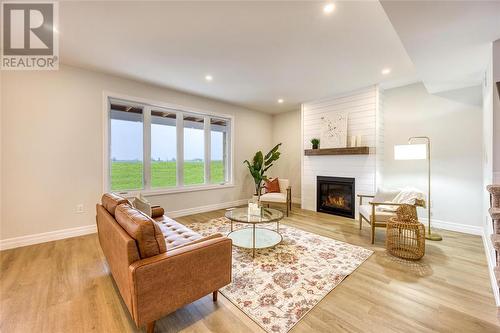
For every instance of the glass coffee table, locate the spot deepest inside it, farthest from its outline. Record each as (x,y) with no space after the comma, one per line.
(255,237)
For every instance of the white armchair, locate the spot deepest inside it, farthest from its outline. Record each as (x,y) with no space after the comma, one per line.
(284,197)
(375,215)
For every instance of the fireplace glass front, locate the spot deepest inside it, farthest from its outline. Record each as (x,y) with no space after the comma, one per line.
(335,195)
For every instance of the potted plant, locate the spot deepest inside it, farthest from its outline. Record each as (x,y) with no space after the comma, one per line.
(315,143)
(260,164)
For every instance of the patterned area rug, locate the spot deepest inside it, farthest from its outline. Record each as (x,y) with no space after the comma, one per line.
(280,285)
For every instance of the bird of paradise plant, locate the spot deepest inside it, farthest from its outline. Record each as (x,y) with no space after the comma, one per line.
(260,164)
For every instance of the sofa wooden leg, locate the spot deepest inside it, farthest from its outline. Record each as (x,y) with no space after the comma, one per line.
(214,295)
(150,327)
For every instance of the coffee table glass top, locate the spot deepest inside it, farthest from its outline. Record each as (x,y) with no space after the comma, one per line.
(267,215)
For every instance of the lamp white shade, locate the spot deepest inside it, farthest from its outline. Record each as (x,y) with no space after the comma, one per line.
(410,152)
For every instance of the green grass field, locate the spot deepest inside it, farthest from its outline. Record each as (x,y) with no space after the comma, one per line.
(127,175)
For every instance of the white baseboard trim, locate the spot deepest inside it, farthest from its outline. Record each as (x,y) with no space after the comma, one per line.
(11,243)
(207,208)
(490,258)
(43,237)
(452,226)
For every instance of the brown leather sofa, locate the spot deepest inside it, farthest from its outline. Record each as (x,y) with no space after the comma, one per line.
(159,266)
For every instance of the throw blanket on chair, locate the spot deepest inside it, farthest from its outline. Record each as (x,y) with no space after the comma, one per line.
(406,196)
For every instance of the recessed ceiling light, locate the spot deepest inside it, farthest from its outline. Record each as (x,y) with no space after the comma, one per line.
(280,100)
(208,77)
(386,71)
(328,8)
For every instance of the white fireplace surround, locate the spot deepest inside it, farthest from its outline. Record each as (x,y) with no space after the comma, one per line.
(364,108)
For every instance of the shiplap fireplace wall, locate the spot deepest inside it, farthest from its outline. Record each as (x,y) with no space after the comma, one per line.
(364,108)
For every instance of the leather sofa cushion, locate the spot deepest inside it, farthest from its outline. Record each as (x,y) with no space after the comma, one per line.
(176,234)
(110,201)
(143,229)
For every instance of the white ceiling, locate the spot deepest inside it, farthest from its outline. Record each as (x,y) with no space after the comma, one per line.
(260,51)
(448,41)
(257,51)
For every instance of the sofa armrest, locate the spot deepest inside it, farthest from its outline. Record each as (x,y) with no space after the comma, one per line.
(163,283)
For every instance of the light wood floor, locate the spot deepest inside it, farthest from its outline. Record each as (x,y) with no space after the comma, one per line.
(65,286)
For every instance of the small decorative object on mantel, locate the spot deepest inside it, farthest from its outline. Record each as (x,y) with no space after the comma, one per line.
(353,141)
(334,130)
(315,143)
(358,141)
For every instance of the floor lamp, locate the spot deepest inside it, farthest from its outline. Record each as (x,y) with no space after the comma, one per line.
(412,151)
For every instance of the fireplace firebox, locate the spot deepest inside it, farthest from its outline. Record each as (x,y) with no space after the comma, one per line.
(335,195)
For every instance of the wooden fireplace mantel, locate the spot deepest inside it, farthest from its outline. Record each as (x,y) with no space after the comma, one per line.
(338,151)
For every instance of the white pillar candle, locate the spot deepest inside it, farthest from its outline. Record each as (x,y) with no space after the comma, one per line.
(358,141)
(353,141)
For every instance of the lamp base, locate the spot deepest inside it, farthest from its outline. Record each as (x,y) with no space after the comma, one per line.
(433,237)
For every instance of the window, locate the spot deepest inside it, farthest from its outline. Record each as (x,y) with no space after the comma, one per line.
(126,147)
(219,130)
(194,150)
(163,149)
(154,148)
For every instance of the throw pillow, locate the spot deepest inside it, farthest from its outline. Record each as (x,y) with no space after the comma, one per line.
(140,203)
(272,186)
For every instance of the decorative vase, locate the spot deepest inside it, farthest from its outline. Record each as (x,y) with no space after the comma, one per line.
(315,146)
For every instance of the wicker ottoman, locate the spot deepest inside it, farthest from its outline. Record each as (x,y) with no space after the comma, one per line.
(405,235)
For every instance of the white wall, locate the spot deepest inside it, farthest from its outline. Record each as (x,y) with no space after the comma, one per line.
(286,129)
(362,109)
(487,142)
(456,133)
(380,138)
(491,148)
(1,149)
(496,112)
(52,125)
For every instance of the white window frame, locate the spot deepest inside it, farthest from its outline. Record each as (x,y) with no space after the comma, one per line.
(179,188)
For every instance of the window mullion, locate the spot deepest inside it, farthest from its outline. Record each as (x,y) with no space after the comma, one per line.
(227,153)
(225,159)
(180,149)
(107,137)
(208,170)
(147,148)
